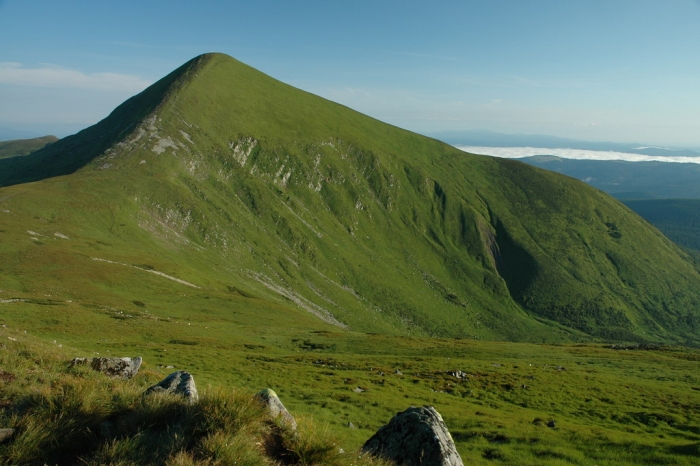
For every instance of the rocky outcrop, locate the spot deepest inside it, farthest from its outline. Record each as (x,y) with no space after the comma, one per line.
(179,383)
(417,436)
(125,368)
(275,407)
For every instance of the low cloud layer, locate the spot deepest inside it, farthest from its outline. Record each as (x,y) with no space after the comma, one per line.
(576,154)
(57,77)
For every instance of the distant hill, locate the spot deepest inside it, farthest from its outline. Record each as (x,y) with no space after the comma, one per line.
(629,180)
(220,180)
(494,139)
(19,147)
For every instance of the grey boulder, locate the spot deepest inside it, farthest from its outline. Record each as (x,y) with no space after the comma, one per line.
(417,436)
(274,406)
(179,383)
(125,368)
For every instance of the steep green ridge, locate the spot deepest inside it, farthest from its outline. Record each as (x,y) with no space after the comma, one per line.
(19,147)
(225,178)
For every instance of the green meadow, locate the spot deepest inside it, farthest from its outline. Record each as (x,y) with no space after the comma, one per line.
(512,403)
(255,235)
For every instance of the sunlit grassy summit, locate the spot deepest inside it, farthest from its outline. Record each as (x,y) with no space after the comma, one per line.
(247,186)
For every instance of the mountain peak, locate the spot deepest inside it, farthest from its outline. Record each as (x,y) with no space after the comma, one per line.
(365,225)
(73,152)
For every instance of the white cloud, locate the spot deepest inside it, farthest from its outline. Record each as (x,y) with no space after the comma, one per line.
(57,77)
(576,154)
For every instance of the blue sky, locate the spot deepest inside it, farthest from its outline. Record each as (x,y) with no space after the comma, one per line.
(622,71)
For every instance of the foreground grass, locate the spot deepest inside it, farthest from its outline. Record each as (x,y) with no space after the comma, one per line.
(66,415)
(608,407)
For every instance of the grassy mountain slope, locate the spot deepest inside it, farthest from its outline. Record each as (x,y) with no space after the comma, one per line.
(18,147)
(269,198)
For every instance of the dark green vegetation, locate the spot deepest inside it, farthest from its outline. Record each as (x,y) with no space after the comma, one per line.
(648,188)
(629,180)
(19,147)
(679,219)
(256,235)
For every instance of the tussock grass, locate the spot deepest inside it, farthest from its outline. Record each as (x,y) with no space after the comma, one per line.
(71,415)
(610,407)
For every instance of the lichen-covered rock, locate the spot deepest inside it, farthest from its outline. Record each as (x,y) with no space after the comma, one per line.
(275,407)
(417,436)
(179,383)
(125,368)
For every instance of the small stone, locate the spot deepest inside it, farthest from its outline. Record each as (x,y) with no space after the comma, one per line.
(125,368)
(458,375)
(6,435)
(351,425)
(359,390)
(180,383)
(398,372)
(275,407)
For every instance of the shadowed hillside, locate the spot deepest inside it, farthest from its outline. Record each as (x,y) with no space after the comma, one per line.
(679,219)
